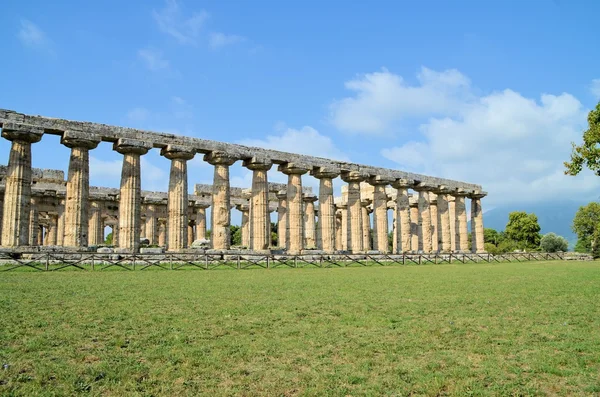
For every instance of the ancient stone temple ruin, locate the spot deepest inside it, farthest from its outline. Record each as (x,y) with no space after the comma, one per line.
(41,208)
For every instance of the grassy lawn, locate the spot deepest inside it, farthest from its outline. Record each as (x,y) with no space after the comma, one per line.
(500,329)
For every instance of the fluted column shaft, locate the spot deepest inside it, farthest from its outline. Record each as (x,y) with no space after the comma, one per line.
(201,222)
(282,219)
(60,227)
(327,217)
(414,227)
(260,219)
(162,232)
(403,217)
(477,231)
(424,221)
(366,226)
(190,234)
(151,224)
(310,240)
(34,224)
(355,217)
(221,205)
(130,201)
(462,234)
(380,219)
(17,191)
(338,231)
(433,210)
(444,222)
(52,229)
(245,210)
(345,228)
(452,220)
(295,210)
(177,205)
(96,234)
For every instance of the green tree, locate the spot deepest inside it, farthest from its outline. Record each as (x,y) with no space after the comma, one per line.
(523,228)
(108,240)
(552,242)
(586,225)
(235,235)
(491,236)
(588,153)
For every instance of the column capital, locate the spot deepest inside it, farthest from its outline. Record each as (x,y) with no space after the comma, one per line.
(441,189)
(293,168)
(309,198)
(433,197)
(173,152)
(258,164)
(413,202)
(79,139)
(403,183)
(201,205)
(477,194)
(422,187)
(376,180)
(324,172)
(354,176)
(246,194)
(281,195)
(22,132)
(460,192)
(222,158)
(242,207)
(134,146)
(341,206)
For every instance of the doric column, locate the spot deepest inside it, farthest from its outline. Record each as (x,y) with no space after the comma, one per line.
(345,215)
(462,234)
(177,205)
(310,240)
(327,233)
(282,219)
(191,233)
(260,221)
(366,223)
(477,222)
(443,219)
(392,207)
(452,220)
(52,228)
(433,210)
(380,215)
(60,227)
(96,234)
(130,194)
(245,210)
(403,216)
(221,206)
(151,223)
(201,220)
(40,233)
(338,230)
(295,218)
(424,217)
(115,234)
(78,187)
(17,191)
(415,241)
(162,232)
(34,223)
(355,218)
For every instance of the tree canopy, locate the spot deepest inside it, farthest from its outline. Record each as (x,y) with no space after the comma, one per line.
(552,242)
(586,225)
(588,153)
(524,229)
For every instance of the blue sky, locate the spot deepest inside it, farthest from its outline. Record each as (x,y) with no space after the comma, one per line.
(489,92)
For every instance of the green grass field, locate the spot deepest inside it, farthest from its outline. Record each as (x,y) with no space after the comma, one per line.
(466,329)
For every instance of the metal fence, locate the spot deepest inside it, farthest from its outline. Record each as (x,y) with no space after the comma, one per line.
(52,261)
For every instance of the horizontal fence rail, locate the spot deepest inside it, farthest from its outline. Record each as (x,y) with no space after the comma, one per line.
(52,261)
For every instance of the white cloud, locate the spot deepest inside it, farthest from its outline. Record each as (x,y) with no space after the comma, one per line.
(153,59)
(595,88)
(32,36)
(512,145)
(306,140)
(218,40)
(382,99)
(172,21)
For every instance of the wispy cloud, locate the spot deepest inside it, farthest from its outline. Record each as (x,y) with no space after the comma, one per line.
(153,59)
(172,21)
(33,36)
(218,40)
(595,88)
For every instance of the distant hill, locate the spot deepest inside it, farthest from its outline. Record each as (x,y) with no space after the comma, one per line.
(555,216)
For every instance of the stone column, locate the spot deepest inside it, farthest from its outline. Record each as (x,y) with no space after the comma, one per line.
(78,187)
(345,215)
(338,230)
(60,227)
(327,233)
(433,210)
(260,220)
(221,206)
(190,234)
(310,240)
(34,223)
(245,210)
(115,232)
(52,229)
(366,223)
(380,215)
(424,217)
(96,233)
(295,218)
(477,235)
(177,205)
(415,241)
(355,218)
(17,191)
(452,218)
(151,223)
(130,194)
(282,219)
(162,232)
(40,233)
(392,207)
(462,234)
(201,220)
(403,216)
(443,219)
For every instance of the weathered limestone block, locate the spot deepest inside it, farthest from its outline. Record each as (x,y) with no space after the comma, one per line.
(310,241)
(477,222)
(130,193)
(17,190)
(424,217)
(462,234)
(295,216)
(403,217)
(177,206)
(260,219)
(355,218)
(327,234)
(380,214)
(282,218)
(221,205)
(444,219)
